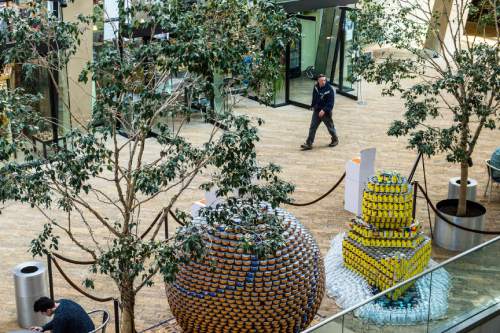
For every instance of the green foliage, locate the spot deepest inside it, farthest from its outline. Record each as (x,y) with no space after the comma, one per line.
(16,106)
(460,82)
(474,85)
(246,187)
(485,13)
(45,242)
(88,283)
(132,97)
(40,38)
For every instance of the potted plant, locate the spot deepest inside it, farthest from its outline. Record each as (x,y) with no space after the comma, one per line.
(453,76)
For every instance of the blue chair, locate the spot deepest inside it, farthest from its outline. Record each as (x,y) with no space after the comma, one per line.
(493,177)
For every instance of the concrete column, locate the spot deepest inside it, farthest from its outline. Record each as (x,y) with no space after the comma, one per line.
(447,27)
(80,94)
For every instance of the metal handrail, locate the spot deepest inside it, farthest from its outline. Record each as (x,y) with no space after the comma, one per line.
(104,323)
(488,163)
(416,277)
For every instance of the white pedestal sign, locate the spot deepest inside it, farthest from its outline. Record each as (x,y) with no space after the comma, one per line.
(357,172)
(210,199)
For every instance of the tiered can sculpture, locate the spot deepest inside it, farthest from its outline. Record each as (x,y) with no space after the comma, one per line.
(235,291)
(386,245)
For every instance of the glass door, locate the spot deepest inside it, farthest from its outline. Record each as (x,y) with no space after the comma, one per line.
(348,82)
(344,56)
(326,46)
(301,62)
(334,48)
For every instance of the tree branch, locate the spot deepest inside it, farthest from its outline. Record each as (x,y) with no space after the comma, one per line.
(68,232)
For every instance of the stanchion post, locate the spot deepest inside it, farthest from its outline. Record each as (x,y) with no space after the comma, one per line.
(166,226)
(117,316)
(415,189)
(51,280)
(414,168)
(426,201)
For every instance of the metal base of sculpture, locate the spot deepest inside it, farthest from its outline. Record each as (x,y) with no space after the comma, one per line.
(426,300)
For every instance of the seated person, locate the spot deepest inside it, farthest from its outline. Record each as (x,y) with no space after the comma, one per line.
(69,317)
(495,162)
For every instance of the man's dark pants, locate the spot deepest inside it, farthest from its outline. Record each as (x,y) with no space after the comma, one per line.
(316,120)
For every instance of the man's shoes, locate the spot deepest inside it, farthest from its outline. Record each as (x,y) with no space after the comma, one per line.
(334,142)
(306,146)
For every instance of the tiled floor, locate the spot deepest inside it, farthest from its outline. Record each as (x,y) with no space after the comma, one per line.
(313,172)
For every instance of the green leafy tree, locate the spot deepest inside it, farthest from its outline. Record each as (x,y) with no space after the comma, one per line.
(132,97)
(443,74)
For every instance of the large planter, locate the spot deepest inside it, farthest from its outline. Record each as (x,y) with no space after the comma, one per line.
(454,188)
(234,291)
(455,239)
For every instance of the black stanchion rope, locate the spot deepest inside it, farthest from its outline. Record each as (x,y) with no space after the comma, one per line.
(161,323)
(442,217)
(81,291)
(72,261)
(145,233)
(321,197)
(175,218)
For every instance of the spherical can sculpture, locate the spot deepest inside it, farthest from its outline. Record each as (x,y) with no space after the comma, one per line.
(231,290)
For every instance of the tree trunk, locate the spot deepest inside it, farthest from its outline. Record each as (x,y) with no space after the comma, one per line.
(462,198)
(128,304)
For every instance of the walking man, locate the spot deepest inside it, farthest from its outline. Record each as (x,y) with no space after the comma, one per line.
(69,317)
(322,106)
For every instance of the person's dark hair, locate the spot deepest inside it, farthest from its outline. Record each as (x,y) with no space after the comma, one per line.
(320,76)
(43,304)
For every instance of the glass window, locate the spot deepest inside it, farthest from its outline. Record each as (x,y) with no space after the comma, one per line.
(304,58)
(326,46)
(348,82)
(38,83)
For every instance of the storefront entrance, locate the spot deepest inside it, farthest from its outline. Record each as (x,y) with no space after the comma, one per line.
(325,47)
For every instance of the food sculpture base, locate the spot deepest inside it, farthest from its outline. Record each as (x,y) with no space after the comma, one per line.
(426,300)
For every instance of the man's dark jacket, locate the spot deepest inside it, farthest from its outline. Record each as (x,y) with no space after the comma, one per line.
(69,317)
(323,98)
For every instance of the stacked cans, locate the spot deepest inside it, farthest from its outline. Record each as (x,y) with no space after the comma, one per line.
(231,290)
(386,245)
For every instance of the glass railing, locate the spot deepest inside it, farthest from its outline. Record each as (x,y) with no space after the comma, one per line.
(439,299)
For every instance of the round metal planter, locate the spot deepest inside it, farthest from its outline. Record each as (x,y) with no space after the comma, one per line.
(231,290)
(30,281)
(455,239)
(454,188)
